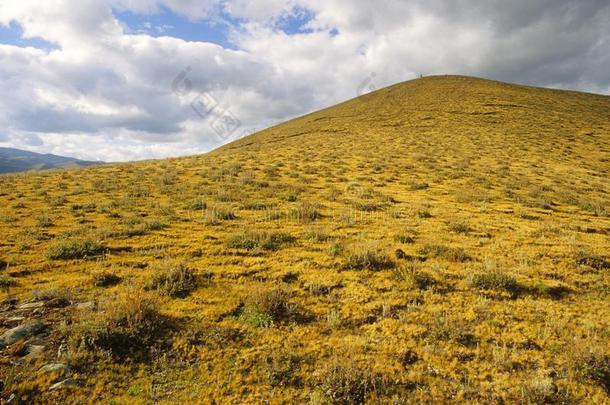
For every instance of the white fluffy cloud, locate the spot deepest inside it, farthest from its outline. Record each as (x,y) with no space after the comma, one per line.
(102,92)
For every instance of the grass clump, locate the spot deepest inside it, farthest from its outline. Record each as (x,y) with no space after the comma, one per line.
(459,226)
(264,307)
(253,240)
(127,324)
(448,253)
(344,383)
(174,279)
(368,258)
(75,249)
(7,282)
(404,238)
(53,297)
(496,281)
(597,369)
(307,212)
(411,274)
(594,261)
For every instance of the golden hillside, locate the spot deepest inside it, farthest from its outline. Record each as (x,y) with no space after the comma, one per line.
(441,240)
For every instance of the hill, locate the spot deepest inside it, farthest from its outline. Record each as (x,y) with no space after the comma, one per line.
(441,240)
(16,160)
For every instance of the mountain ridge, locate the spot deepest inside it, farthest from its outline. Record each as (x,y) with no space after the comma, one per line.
(13,160)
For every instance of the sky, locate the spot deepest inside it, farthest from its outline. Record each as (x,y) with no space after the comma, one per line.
(120,80)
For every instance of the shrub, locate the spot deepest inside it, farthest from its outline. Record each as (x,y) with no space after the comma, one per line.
(252,240)
(127,324)
(75,249)
(366,257)
(264,307)
(174,279)
(496,281)
(445,252)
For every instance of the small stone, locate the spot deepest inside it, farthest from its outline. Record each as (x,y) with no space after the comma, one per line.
(31,305)
(14,321)
(34,351)
(68,382)
(57,303)
(85,305)
(20,332)
(58,368)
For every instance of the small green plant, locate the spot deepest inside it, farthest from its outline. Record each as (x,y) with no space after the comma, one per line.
(75,249)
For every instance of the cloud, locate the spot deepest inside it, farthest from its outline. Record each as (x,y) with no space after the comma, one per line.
(107,93)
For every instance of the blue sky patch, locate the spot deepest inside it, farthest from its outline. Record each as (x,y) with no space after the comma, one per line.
(296,21)
(12,35)
(168,23)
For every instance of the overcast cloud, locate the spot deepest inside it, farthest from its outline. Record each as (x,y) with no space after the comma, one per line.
(79,78)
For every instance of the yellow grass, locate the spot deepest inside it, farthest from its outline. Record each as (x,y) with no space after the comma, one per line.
(441,240)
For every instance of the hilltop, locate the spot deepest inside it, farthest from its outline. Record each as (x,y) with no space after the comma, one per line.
(17,160)
(445,239)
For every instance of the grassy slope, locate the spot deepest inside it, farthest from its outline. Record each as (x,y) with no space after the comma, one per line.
(515,176)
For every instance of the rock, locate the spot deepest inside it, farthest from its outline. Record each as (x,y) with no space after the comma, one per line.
(31,305)
(85,305)
(20,332)
(58,368)
(34,351)
(68,382)
(57,303)
(14,321)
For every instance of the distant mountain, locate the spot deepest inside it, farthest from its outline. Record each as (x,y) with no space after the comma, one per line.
(16,160)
